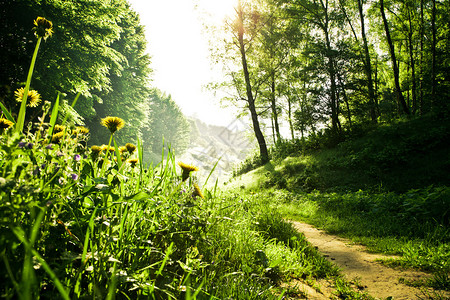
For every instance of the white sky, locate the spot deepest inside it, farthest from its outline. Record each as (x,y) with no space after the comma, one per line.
(179,52)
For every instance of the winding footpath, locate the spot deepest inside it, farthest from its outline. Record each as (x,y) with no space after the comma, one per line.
(358,265)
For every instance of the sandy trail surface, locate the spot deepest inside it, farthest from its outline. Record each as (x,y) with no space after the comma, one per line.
(360,266)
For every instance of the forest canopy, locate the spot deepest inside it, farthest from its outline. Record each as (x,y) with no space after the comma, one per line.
(335,64)
(98,49)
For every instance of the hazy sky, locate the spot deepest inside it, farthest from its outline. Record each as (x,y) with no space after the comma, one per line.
(179,50)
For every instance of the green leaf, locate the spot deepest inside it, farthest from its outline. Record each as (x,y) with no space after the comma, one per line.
(7,113)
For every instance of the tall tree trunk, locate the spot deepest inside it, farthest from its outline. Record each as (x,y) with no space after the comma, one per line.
(291,126)
(332,73)
(274,107)
(433,57)
(413,65)
(398,91)
(421,35)
(250,100)
(344,94)
(367,66)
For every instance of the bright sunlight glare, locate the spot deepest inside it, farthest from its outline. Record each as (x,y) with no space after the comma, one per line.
(179,52)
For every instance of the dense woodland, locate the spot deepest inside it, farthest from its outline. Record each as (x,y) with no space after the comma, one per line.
(97,50)
(335,64)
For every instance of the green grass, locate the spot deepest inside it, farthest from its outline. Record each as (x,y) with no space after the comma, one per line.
(386,189)
(76,225)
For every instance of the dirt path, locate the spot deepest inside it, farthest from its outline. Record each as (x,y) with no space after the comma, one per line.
(356,263)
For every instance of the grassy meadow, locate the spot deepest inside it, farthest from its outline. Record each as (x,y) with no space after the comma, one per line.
(79,222)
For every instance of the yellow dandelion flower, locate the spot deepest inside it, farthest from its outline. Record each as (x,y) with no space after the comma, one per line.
(187,169)
(133,161)
(81,130)
(122,149)
(33,98)
(59,128)
(113,123)
(96,149)
(5,124)
(57,137)
(197,192)
(130,147)
(43,28)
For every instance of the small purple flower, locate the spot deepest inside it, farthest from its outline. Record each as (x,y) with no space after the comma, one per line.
(30,145)
(59,154)
(43,166)
(77,157)
(74,176)
(22,144)
(49,147)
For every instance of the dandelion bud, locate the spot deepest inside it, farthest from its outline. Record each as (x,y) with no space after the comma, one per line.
(43,28)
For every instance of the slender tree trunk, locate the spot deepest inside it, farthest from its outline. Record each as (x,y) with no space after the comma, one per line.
(274,107)
(400,98)
(413,64)
(291,126)
(421,35)
(332,73)
(367,66)
(250,100)
(344,94)
(433,57)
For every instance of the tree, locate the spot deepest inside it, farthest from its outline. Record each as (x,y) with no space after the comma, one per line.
(96,50)
(242,36)
(322,15)
(398,91)
(166,125)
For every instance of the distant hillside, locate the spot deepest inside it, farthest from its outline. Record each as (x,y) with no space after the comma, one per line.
(210,144)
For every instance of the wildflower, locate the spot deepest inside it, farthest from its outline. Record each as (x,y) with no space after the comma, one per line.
(61,181)
(43,28)
(21,144)
(33,97)
(187,169)
(113,123)
(30,145)
(77,157)
(130,147)
(133,161)
(106,148)
(122,149)
(74,176)
(56,138)
(81,130)
(96,149)
(197,192)
(59,128)
(49,147)
(59,154)
(5,124)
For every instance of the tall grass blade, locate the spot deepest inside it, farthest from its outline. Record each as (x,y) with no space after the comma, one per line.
(212,170)
(53,116)
(7,113)
(141,163)
(23,105)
